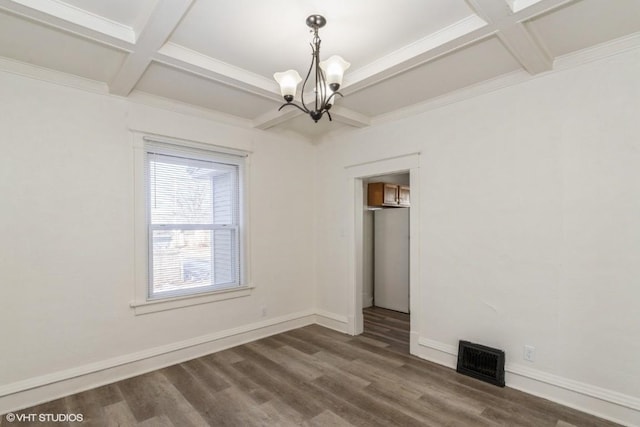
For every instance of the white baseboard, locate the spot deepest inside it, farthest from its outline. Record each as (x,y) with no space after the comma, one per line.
(435,351)
(617,407)
(34,391)
(332,321)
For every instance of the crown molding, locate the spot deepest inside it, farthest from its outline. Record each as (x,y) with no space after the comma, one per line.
(472,91)
(51,76)
(598,52)
(156,101)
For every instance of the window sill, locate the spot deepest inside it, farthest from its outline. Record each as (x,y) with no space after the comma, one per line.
(152,306)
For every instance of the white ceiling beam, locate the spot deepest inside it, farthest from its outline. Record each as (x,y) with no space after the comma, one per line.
(350,117)
(529,52)
(163,21)
(509,12)
(492,11)
(73,20)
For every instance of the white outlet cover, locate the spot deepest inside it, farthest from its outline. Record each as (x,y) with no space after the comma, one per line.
(529,353)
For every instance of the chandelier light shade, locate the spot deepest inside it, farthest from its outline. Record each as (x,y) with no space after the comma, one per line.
(327,78)
(334,69)
(288,82)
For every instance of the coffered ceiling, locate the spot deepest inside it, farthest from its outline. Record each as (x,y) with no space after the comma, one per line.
(217,57)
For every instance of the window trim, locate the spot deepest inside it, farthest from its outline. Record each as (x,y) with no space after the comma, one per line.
(143,303)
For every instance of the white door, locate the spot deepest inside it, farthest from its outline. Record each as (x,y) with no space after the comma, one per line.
(391,259)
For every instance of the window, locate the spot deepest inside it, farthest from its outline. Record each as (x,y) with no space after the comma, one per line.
(194,221)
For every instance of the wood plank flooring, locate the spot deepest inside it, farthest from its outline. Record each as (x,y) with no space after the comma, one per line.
(312,376)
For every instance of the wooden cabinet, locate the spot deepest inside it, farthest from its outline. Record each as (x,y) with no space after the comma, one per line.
(404,196)
(388,195)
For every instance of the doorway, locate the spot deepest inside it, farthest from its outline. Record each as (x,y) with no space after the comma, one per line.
(358,176)
(385,260)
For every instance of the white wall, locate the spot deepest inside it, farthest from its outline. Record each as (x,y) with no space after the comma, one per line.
(66,228)
(530,231)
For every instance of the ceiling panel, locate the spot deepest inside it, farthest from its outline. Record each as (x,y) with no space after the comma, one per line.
(272,36)
(44,46)
(175,84)
(126,12)
(586,23)
(475,63)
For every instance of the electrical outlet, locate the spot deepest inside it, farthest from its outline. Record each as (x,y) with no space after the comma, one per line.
(529,353)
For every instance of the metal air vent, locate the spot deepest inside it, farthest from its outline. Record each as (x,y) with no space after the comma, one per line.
(481,362)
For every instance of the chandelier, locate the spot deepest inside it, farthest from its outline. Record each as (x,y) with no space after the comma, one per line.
(327,76)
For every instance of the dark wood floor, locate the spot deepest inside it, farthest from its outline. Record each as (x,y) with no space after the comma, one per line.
(312,376)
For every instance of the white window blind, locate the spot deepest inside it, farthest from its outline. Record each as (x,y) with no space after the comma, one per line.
(193,215)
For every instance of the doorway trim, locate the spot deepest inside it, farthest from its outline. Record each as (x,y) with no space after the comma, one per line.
(354,233)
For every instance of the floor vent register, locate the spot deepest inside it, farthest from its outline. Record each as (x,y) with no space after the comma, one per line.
(481,362)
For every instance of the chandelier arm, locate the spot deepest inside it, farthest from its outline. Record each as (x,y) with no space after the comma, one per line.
(318,71)
(329,115)
(304,110)
(333,95)
(323,90)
